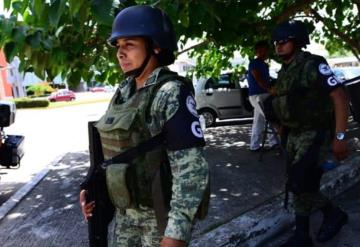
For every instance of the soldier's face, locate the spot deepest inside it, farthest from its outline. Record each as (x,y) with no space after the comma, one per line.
(285,48)
(131,53)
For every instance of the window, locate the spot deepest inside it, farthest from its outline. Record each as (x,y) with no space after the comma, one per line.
(211,83)
(223,82)
(226,82)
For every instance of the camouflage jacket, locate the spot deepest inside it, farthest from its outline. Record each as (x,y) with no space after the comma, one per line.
(188,166)
(302,99)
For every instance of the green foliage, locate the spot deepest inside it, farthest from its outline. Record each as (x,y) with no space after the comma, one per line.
(68,37)
(63,37)
(338,49)
(30,103)
(39,89)
(341,26)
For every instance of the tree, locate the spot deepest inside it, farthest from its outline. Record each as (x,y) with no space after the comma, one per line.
(68,37)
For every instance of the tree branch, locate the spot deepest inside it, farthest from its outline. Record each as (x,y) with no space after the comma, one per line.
(293,9)
(156,3)
(357,3)
(194,46)
(355,45)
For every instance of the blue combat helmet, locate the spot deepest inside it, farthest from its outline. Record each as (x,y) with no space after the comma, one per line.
(293,29)
(144,21)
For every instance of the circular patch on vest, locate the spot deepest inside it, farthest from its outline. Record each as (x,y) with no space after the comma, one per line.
(325,69)
(332,81)
(191,105)
(196,129)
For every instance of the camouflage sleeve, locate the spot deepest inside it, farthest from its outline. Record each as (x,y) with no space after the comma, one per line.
(190,176)
(188,166)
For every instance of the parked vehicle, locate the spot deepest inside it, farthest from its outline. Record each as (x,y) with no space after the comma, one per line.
(351,76)
(62,95)
(97,89)
(346,73)
(106,89)
(224,98)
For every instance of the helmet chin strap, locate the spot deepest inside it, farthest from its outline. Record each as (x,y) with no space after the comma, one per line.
(137,72)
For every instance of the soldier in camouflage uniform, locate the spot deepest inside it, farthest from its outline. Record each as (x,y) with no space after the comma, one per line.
(150,101)
(312,105)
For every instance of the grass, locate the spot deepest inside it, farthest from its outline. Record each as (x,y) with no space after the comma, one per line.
(70,103)
(76,102)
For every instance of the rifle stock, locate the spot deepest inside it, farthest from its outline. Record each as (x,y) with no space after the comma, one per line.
(95,184)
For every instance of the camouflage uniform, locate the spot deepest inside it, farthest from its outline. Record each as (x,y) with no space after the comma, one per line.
(303,105)
(136,225)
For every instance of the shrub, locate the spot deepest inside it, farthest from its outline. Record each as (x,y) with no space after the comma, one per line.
(30,103)
(39,89)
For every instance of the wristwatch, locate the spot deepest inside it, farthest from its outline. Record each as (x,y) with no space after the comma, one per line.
(340,136)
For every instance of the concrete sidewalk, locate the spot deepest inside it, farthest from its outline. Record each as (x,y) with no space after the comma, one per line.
(245,207)
(349,235)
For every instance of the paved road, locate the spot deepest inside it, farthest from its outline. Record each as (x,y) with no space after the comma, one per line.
(50,216)
(349,236)
(239,180)
(48,134)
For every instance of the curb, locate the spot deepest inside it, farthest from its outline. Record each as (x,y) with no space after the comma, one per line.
(257,226)
(7,206)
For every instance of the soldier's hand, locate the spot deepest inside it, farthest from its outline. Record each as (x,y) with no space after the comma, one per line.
(340,149)
(86,208)
(170,242)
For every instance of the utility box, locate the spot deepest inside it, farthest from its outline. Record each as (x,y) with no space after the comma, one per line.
(12,150)
(7,113)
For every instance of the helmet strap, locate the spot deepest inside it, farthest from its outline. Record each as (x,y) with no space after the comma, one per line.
(138,71)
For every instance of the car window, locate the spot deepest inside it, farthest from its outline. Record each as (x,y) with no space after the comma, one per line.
(346,73)
(223,82)
(210,83)
(339,74)
(226,82)
(353,72)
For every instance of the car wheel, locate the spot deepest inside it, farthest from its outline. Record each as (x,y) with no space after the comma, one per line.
(209,116)
(52,100)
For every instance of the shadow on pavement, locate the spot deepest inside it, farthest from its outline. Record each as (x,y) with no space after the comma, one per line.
(50,215)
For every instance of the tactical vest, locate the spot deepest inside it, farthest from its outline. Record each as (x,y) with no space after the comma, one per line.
(124,126)
(301,104)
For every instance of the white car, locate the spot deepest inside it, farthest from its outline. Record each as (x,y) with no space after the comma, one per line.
(222,98)
(353,89)
(346,73)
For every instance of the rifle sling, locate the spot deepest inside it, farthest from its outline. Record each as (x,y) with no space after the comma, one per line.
(130,154)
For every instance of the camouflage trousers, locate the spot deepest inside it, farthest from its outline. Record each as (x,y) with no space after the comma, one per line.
(134,228)
(307,150)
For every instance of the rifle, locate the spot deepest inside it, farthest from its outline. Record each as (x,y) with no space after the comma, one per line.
(95,184)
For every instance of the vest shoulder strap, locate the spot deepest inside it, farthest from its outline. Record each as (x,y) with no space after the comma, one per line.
(168,76)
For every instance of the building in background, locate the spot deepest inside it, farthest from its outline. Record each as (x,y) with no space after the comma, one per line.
(182,65)
(5,87)
(15,79)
